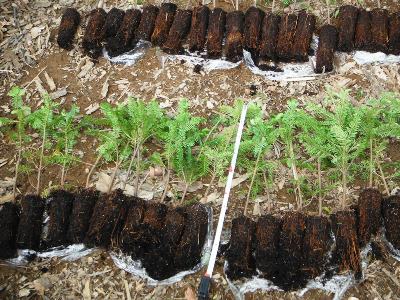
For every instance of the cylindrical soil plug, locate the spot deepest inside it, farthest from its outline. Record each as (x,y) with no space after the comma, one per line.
(69,25)
(123,41)
(362,39)
(269,37)
(347,20)
(287,29)
(252,30)
(178,32)
(163,24)
(379,30)
(234,36)
(302,38)
(394,34)
(198,30)
(113,22)
(147,23)
(215,35)
(326,48)
(94,32)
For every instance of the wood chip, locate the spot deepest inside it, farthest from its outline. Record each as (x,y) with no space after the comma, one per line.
(58,94)
(50,82)
(39,86)
(92,108)
(128,293)
(104,89)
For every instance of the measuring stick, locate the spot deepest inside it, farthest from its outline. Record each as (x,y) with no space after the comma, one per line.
(204,286)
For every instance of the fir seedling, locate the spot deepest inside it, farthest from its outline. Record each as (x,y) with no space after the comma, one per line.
(381,121)
(114,144)
(263,136)
(139,123)
(42,120)
(288,123)
(181,139)
(66,139)
(18,133)
(314,137)
(344,144)
(218,144)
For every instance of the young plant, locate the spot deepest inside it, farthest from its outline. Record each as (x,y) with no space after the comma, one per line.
(217,146)
(344,142)
(139,123)
(314,137)
(181,154)
(115,146)
(66,139)
(19,124)
(381,121)
(263,136)
(288,123)
(42,120)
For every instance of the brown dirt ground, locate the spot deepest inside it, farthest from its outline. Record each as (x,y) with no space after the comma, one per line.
(148,80)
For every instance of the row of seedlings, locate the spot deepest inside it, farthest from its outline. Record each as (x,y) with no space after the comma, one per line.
(292,248)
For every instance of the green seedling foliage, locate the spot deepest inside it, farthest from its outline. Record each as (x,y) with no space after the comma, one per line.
(114,144)
(381,121)
(314,137)
(184,135)
(17,129)
(286,3)
(288,124)
(66,139)
(42,121)
(345,143)
(139,122)
(218,144)
(261,135)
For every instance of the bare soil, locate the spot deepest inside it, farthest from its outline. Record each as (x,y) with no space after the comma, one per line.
(25,57)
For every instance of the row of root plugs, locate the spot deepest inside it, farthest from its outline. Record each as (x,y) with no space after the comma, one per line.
(269,37)
(288,248)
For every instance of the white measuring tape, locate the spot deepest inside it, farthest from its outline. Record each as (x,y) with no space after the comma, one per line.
(205,281)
